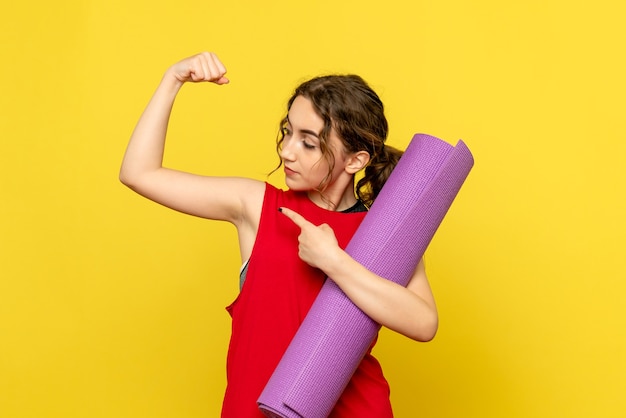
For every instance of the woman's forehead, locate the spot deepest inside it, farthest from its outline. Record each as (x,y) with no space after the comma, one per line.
(302,115)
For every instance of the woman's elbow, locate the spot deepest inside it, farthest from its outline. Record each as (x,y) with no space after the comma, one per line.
(127,180)
(123,178)
(128,177)
(425,329)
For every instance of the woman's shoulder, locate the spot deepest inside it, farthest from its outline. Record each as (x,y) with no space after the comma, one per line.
(275,197)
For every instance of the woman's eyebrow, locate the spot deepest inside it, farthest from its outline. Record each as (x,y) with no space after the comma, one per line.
(305,131)
(310,132)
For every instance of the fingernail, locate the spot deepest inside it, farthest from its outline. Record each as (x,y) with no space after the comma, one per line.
(280,209)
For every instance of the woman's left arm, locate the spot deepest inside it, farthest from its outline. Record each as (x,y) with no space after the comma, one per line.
(409,310)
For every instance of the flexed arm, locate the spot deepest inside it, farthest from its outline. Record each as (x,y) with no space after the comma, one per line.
(236,200)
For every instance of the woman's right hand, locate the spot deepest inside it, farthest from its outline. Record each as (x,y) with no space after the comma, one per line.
(205,66)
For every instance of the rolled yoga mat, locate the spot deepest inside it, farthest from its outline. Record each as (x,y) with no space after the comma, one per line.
(391,240)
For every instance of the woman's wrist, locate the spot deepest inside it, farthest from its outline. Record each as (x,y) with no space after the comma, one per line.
(336,261)
(171,81)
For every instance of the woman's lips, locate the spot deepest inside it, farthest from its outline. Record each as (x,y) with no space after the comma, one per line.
(289,171)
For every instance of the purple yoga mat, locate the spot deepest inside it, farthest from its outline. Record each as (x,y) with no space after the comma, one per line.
(391,240)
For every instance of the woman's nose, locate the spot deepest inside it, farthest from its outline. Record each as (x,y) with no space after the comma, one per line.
(286,151)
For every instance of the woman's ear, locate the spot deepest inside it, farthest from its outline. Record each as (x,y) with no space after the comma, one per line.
(357,161)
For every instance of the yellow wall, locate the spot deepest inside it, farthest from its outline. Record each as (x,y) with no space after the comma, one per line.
(111,306)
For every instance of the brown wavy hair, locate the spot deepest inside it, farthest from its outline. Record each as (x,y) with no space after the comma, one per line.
(350,106)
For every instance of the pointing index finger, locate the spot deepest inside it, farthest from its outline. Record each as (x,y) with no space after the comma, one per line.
(297,219)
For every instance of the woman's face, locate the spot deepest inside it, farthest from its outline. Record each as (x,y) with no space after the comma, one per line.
(304,164)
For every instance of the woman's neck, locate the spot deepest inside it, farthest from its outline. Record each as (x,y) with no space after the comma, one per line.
(334,198)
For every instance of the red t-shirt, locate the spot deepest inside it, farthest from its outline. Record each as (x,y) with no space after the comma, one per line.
(276,296)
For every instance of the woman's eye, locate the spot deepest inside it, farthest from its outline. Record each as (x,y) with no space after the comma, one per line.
(307,145)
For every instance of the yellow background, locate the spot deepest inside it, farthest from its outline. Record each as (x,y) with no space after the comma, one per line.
(112,306)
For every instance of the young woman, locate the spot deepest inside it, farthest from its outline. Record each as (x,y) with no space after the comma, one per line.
(290,241)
